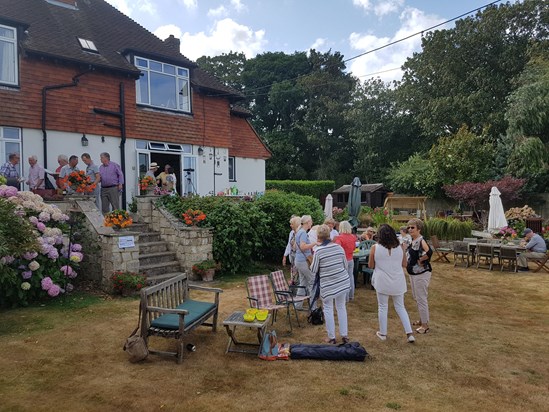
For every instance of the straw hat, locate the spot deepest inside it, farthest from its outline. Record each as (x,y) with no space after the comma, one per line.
(153,165)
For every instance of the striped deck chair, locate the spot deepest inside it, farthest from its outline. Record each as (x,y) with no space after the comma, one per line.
(284,294)
(260,295)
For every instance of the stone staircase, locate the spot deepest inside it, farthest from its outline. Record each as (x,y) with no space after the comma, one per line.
(156,261)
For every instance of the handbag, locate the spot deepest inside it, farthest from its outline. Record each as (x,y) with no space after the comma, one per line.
(135,345)
(308,258)
(316,317)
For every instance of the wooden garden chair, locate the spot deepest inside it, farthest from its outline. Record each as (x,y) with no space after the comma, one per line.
(285,294)
(542,263)
(260,296)
(508,255)
(461,250)
(485,252)
(441,252)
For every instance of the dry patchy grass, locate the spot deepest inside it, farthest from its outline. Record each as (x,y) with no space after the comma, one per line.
(487,350)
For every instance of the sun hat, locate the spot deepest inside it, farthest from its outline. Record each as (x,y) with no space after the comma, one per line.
(153,165)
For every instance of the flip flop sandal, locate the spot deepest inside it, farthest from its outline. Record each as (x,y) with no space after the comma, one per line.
(331,341)
(422,330)
(416,323)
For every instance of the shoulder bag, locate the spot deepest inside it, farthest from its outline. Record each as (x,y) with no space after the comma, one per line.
(135,345)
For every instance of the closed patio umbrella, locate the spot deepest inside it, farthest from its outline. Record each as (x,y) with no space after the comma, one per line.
(328,206)
(354,202)
(496,216)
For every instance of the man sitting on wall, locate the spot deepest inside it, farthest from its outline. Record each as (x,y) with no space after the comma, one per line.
(535,249)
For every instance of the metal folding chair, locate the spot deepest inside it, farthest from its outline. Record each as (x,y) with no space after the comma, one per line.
(285,294)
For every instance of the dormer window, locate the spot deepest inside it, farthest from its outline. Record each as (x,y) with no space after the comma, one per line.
(87,45)
(8,55)
(163,85)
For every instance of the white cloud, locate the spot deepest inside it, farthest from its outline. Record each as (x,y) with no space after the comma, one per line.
(387,6)
(365,4)
(129,7)
(412,21)
(121,5)
(221,11)
(318,44)
(238,6)
(226,35)
(190,4)
(163,32)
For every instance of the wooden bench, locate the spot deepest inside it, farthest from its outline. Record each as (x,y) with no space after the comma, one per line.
(168,311)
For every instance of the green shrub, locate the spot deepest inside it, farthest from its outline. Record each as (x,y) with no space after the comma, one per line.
(314,188)
(447,228)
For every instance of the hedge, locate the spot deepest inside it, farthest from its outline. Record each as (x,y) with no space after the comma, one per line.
(314,188)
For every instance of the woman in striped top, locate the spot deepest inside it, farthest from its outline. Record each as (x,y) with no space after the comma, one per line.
(330,263)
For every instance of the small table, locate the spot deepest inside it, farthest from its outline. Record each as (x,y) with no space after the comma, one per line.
(237,319)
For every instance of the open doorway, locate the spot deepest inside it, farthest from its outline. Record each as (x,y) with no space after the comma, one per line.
(174,160)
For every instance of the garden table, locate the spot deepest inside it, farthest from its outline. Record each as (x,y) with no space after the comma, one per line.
(235,320)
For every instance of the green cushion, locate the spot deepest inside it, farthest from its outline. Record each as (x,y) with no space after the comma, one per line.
(196,310)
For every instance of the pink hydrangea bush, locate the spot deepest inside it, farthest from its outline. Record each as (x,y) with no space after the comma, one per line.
(47,271)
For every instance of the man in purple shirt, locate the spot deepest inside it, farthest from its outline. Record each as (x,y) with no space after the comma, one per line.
(112,183)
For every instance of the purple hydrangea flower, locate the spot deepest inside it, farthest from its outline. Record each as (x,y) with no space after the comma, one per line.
(27,274)
(54,290)
(41,226)
(6,260)
(30,255)
(46,283)
(69,288)
(76,247)
(44,217)
(33,220)
(53,254)
(68,271)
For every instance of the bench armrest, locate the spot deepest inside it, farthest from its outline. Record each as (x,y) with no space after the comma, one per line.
(166,310)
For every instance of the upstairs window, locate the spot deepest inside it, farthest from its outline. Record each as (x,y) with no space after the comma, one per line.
(8,55)
(232,169)
(87,45)
(163,85)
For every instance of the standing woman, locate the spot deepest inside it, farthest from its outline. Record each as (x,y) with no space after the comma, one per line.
(330,263)
(388,260)
(419,268)
(347,241)
(303,250)
(290,252)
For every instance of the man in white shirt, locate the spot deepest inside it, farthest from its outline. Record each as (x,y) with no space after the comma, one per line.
(36,174)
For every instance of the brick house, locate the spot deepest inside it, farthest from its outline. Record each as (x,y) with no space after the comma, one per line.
(79,76)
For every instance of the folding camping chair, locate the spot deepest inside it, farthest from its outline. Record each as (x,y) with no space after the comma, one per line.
(441,252)
(542,263)
(260,296)
(284,293)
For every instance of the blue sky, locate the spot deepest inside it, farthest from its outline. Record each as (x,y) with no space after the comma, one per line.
(212,27)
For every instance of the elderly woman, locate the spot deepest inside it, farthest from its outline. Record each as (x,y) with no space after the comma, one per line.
(331,224)
(330,263)
(347,241)
(368,234)
(388,259)
(419,269)
(303,250)
(290,251)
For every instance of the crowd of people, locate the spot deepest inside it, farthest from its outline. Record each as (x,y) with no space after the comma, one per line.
(321,259)
(166,180)
(108,177)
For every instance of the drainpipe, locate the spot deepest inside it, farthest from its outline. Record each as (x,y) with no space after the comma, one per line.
(45,90)
(121,116)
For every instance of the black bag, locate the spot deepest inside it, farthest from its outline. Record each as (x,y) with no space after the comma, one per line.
(353,351)
(316,317)
(412,266)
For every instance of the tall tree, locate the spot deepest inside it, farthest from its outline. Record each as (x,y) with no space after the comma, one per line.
(228,68)
(464,75)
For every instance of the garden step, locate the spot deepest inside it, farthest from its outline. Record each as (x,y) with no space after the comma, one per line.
(152,247)
(157,257)
(140,227)
(153,280)
(160,269)
(149,237)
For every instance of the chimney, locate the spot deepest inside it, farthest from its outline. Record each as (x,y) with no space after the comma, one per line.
(173,42)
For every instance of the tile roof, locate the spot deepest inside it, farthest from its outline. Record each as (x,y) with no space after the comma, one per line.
(52,30)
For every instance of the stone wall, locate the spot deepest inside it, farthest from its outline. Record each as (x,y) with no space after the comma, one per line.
(191,244)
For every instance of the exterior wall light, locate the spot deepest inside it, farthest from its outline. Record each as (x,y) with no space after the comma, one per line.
(84,140)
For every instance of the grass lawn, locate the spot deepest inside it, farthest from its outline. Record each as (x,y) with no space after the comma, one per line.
(487,350)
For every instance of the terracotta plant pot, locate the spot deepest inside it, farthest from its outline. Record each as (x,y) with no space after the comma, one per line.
(208,275)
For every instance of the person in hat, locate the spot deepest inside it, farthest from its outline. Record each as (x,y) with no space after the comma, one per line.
(535,249)
(153,167)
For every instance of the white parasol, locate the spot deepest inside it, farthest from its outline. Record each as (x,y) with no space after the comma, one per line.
(496,216)
(328,206)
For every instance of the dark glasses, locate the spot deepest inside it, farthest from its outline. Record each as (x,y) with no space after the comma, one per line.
(411,227)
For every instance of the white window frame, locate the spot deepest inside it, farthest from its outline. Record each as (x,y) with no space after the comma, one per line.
(233,177)
(15,63)
(181,93)
(3,140)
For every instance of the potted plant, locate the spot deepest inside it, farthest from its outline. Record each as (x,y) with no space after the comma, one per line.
(205,269)
(118,219)
(132,207)
(78,182)
(127,283)
(147,185)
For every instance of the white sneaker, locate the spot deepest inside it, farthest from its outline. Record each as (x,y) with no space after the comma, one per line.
(411,339)
(380,336)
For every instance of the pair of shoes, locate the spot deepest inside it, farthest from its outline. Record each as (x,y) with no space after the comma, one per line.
(523,269)
(345,339)
(411,339)
(422,330)
(416,323)
(330,341)
(380,336)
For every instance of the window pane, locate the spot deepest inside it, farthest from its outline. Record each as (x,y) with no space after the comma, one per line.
(140,144)
(10,133)
(182,72)
(187,148)
(143,88)
(141,62)
(6,32)
(232,176)
(160,146)
(163,90)
(143,164)
(7,62)
(168,68)
(156,66)
(183,96)
(12,147)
